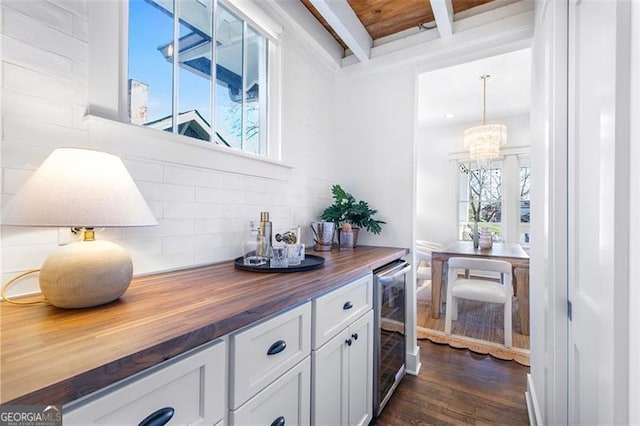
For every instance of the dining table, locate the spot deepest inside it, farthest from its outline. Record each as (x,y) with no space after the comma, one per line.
(510,252)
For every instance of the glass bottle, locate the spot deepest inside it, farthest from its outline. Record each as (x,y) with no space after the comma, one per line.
(254,247)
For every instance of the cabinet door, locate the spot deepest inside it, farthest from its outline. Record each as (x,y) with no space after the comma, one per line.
(330,381)
(284,402)
(361,370)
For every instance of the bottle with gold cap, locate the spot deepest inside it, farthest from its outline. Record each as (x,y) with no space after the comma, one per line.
(265,231)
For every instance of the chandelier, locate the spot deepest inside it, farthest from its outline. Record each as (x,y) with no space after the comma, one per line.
(484,141)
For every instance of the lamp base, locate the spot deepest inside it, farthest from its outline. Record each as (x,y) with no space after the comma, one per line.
(86,273)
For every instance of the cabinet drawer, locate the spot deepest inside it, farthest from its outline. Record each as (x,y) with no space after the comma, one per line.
(337,309)
(193,385)
(285,401)
(262,353)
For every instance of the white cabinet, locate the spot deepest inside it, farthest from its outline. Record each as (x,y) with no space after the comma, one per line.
(284,402)
(262,353)
(192,385)
(342,368)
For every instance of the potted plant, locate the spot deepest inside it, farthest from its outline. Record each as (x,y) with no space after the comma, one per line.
(345,209)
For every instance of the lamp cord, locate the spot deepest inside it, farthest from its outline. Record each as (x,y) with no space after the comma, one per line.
(6,286)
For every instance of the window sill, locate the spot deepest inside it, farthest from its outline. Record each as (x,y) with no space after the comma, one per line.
(134,141)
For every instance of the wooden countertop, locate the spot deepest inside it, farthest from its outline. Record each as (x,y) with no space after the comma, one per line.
(53,356)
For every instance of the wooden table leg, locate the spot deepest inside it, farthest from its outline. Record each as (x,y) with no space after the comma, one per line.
(522,282)
(436,287)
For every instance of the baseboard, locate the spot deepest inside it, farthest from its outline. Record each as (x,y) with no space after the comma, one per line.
(533,408)
(413,362)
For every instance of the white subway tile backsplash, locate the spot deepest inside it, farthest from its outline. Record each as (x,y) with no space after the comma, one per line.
(24,286)
(27,55)
(166,192)
(149,264)
(22,155)
(195,210)
(13,179)
(138,248)
(15,236)
(191,176)
(36,108)
(80,28)
(144,170)
(30,30)
(21,258)
(24,80)
(22,129)
(212,226)
(177,245)
(77,7)
(44,12)
(165,228)
(217,195)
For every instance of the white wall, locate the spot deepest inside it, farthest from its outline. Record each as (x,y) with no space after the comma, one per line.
(203,208)
(438,174)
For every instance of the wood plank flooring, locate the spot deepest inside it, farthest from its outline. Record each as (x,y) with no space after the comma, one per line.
(456,386)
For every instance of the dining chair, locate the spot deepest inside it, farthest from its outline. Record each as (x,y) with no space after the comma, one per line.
(479,289)
(423,253)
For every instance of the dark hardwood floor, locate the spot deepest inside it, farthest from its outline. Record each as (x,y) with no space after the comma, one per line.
(456,386)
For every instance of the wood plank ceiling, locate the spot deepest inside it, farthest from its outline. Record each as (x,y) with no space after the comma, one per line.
(382,18)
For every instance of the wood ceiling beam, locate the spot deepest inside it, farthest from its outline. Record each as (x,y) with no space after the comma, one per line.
(443,12)
(345,22)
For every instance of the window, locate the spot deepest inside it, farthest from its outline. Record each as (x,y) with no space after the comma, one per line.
(497,196)
(480,198)
(525,202)
(178,95)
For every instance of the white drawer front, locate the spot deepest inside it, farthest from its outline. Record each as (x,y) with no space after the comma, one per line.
(284,402)
(194,386)
(288,338)
(337,309)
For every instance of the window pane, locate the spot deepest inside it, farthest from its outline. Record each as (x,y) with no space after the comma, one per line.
(228,108)
(194,74)
(255,70)
(525,204)
(480,198)
(150,73)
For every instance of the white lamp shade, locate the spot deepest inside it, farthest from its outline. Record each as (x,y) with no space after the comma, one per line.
(79,187)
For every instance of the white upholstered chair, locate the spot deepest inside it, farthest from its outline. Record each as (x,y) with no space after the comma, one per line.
(479,289)
(423,253)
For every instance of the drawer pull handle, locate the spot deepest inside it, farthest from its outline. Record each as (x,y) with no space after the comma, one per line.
(158,417)
(348,342)
(277,347)
(355,336)
(278,422)
(347,306)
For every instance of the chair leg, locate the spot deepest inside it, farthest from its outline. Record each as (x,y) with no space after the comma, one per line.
(448,314)
(454,308)
(507,323)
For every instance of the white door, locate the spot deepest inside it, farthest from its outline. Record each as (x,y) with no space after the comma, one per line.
(598,284)
(330,382)
(361,370)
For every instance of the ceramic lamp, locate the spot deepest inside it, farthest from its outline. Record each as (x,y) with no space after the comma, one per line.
(83,189)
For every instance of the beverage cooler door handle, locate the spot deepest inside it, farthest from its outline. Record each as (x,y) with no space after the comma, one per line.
(387,279)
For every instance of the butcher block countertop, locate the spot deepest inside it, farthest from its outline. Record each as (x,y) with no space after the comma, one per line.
(53,356)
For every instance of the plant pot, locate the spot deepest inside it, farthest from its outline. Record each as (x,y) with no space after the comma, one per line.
(355,236)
